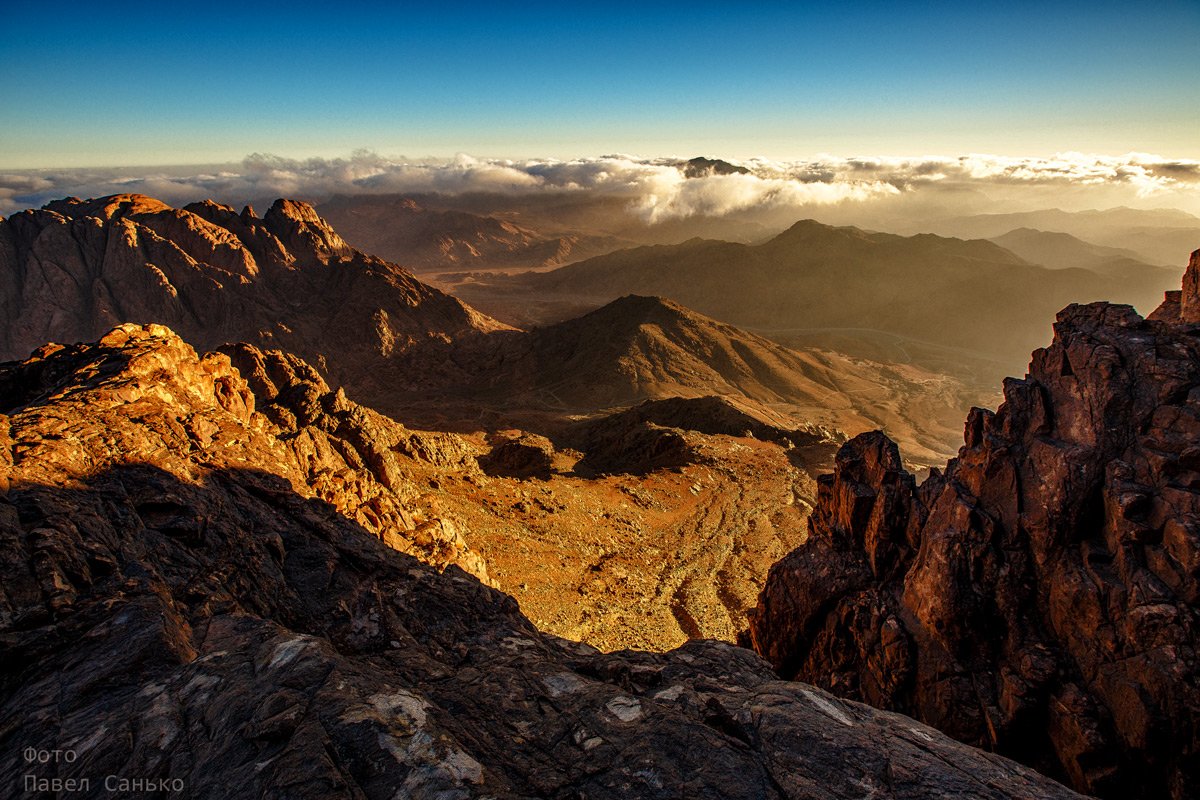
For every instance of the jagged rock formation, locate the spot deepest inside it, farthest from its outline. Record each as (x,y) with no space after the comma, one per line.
(1041,596)
(142,396)
(175,610)
(74,269)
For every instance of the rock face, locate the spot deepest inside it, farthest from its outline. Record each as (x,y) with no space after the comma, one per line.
(1189,310)
(1040,597)
(178,604)
(74,269)
(142,396)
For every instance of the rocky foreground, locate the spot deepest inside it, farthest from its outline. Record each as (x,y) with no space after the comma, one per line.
(1041,596)
(200,590)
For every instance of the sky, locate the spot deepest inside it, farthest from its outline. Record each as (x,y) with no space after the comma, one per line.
(103,85)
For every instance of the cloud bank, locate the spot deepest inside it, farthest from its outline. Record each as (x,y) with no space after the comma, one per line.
(656,189)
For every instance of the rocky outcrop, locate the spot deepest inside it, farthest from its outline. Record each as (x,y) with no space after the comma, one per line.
(654,434)
(519,454)
(141,395)
(1039,597)
(1189,308)
(181,609)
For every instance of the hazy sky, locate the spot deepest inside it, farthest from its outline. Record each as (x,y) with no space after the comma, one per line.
(160,83)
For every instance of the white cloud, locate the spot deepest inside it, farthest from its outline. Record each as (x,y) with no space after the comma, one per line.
(657,189)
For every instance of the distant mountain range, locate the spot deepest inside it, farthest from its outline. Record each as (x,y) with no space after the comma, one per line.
(818,281)
(1156,236)
(1064,251)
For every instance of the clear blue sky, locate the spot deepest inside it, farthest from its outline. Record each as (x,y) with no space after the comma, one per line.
(172,83)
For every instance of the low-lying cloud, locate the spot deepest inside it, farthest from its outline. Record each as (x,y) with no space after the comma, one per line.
(656,189)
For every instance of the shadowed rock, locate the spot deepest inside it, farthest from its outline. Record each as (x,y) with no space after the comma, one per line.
(1040,597)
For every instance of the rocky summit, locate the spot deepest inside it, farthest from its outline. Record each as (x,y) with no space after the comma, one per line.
(1040,597)
(208,586)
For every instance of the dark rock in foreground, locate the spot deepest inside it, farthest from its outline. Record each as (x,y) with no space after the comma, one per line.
(1041,597)
(167,614)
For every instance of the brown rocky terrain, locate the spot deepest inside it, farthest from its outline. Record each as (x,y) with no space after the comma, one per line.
(203,589)
(140,395)
(74,269)
(1041,596)
(560,520)
(538,520)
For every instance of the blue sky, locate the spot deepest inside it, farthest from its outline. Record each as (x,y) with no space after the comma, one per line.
(165,83)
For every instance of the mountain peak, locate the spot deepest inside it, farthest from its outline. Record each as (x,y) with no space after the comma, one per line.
(701,166)
(298,225)
(110,207)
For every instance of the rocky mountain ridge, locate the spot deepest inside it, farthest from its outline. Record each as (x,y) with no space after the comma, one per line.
(1041,596)
(140,395)
(74,269)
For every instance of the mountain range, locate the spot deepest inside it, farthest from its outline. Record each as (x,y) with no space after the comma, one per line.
(288,280)
(1157,236)
(183,606)
(943,300)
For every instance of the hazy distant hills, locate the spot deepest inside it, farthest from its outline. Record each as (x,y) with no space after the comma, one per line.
(1064,251)
(974,296)
(435,232)
(423,237)
(1156,236)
